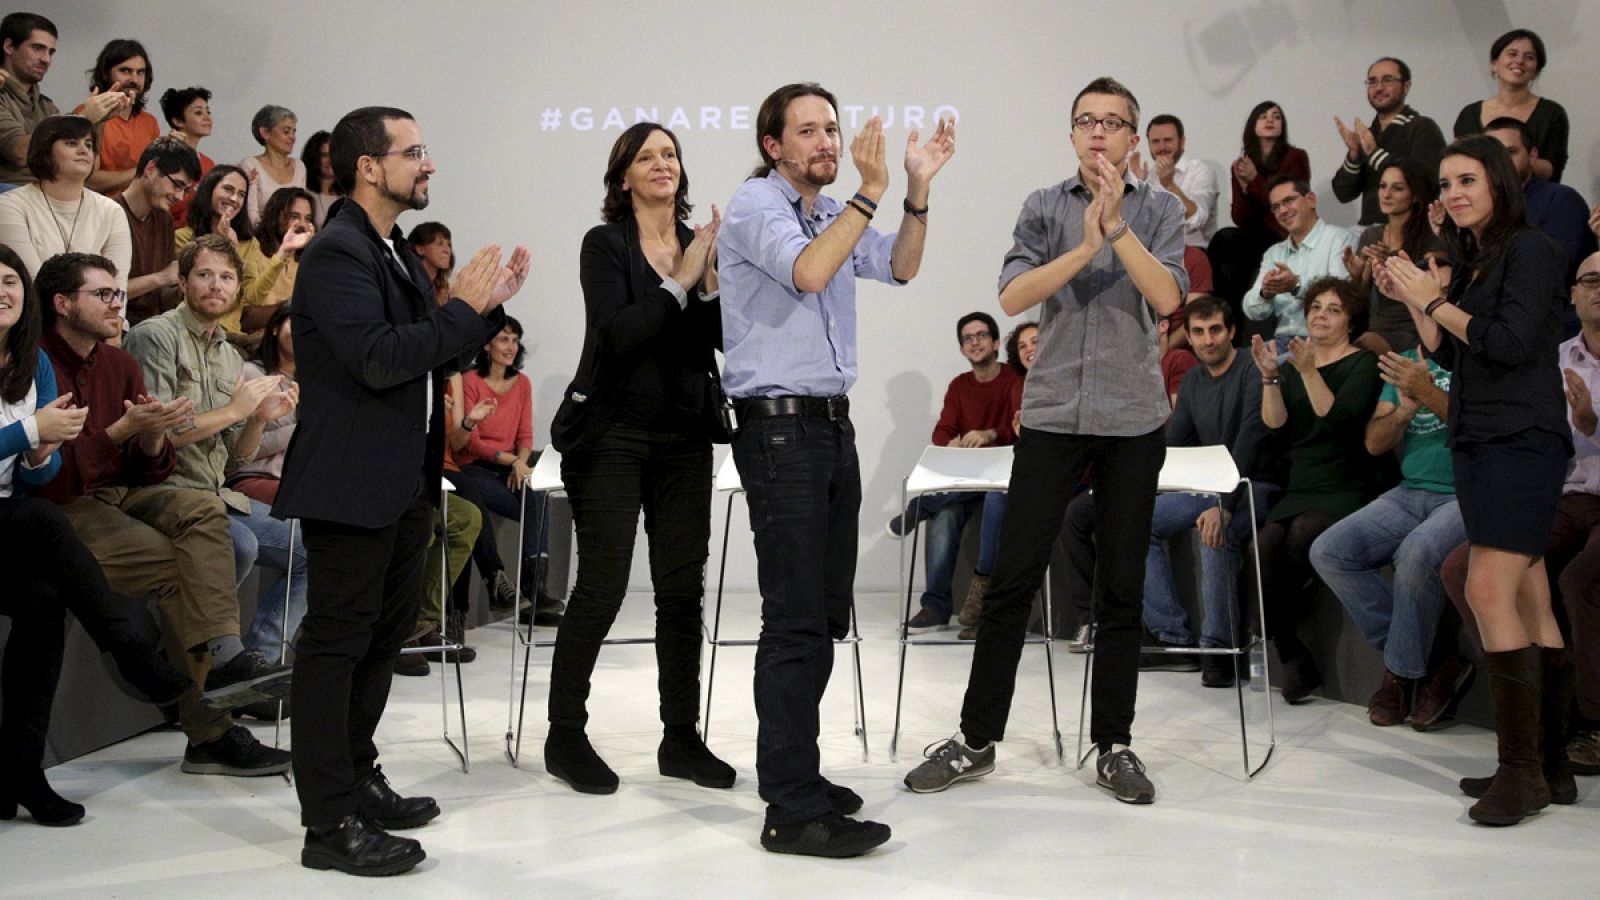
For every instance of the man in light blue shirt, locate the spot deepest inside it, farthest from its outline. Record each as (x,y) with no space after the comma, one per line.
(789,260)
(1313,249)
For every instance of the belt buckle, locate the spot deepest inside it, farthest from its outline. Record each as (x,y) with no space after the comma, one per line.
(836,408)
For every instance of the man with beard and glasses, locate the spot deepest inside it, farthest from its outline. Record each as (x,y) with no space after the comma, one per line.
(790,258)
(362,475)
(1396,130)
(28,43)
(122,67)
(1101,254)
(1193,181)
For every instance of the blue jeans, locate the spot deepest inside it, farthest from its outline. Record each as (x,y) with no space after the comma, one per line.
(950,513)
(802,480)
(1414,530)
(260,537)
(1174,514)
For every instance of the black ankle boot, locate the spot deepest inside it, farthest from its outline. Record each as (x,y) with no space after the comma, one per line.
(683,755)
(569,756)
(26,786)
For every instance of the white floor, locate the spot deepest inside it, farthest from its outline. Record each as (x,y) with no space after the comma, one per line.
(1342,809)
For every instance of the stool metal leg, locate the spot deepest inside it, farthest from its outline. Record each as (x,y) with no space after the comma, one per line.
(909,570)
(461,751)
(858,689)
(1050,664)
(514,738)
(716,623)
(283,639)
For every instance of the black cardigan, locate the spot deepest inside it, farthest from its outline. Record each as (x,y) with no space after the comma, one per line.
(1507,374)
(650,357)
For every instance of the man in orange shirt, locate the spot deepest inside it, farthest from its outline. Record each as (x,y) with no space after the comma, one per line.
(124,66)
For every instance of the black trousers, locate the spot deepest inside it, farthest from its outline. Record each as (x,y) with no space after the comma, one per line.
(1285,549)
(1044,476)
(365,587)
(668,477)
(50,572)
(802,479)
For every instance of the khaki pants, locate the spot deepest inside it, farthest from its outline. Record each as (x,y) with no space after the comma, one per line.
(173,543)
(461,530)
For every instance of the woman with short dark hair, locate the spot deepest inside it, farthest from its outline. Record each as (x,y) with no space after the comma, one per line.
(274,128)
(58,212)
(188,114)
(1517,59)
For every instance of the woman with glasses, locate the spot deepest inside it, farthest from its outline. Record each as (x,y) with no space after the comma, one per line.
(1517,59)
(1496,324)
(58,213)
(649,289)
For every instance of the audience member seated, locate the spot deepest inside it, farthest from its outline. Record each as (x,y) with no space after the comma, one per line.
(1176,358)
(1321,402)
(1572,558)
(167,541)
(319,174)
(28,43)
(218,209)
(258,478)
(431,242)
(1236,252)
(1411,527)
(1398,132)
(1191,180)
(57,213)
(275,167)
(1313,250)
(184,353)
(458,531)
(290,212)
(188,115)
(168,169)
(1553,208)
(493,445)
(1219,402)
(1516,59)
(978,412)
(48,570)
(122,67)
(1405,191)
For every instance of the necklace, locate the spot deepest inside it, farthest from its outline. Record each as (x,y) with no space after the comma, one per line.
(66,235)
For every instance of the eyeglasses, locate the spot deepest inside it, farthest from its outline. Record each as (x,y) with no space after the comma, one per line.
(415,153)
(182,187)
(976,336)
(1112,124)
(1589,282)
(108,296)
(1286,201)
(1386,81)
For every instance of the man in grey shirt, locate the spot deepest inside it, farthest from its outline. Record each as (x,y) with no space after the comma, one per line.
(1103,254)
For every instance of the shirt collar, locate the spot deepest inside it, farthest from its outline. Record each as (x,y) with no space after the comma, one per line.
(1313,237)
(196,327)
(1576,351)
(823,203)
(57,348)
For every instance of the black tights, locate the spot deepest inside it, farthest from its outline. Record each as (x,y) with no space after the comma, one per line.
(1285,547)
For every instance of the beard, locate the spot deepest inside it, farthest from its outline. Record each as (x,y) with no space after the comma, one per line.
(412,199)
(96,324)
(815,175)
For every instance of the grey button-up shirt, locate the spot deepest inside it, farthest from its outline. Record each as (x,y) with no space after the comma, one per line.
(1098,369)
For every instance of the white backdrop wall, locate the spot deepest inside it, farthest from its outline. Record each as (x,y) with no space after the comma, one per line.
(513,100)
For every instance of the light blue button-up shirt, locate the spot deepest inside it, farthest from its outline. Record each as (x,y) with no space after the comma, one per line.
(1321,253)
(776,339)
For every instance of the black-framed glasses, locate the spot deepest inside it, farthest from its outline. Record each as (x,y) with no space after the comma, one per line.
(182,187)
(415,153)
(1112,124)
(107,296)
(1386,81)
(1590,282)
(976,336)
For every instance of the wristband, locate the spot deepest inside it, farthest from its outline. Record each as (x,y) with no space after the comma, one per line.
(1117,232)
(468,423)
(853,204)
(869,204)
(912,210)
(1274,380)
(1435,304)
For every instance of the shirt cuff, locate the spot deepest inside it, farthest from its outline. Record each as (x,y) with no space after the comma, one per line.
(30,427)
(677,291)
(707,298)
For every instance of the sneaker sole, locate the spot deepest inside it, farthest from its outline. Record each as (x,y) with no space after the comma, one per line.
(1135,800)
(968,775)
(927,629)
(315,860)
(847,851)
(264,689)
(194,768)
(580,787)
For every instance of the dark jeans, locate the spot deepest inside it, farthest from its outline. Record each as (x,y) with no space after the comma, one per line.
(1285,549)
(51,571)
(365,588)
(1044,476)
(485,486)
(669,477)
(802,480)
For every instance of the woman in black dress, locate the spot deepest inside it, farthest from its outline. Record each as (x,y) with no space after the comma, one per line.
(1516,59)
(1497,326)
(643,441)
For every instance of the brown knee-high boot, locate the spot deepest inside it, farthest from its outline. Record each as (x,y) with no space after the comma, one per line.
(1555,715)
(1519,788)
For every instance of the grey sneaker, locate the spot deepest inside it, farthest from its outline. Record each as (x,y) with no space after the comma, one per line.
(1123,774)
(948,762)
(926,620)
(1080,640)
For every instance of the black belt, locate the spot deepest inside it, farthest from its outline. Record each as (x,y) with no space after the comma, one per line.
(830,408)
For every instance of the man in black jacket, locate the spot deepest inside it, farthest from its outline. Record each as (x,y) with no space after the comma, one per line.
(362,472)
(1396,130)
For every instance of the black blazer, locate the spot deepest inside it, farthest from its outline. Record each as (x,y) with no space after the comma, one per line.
(367,333)
(650,356)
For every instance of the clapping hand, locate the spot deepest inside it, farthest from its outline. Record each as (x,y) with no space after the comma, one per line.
(1415,287)
(296,239)
(1580,402)
(1409,377)
(1346,134)
(1265,356)
(1139,168)
(1279,280)
(924,162)
(1364,138)
(59,421)
(1303,355)
(866,151)
(1436,215)
(698,256)
(1244,171)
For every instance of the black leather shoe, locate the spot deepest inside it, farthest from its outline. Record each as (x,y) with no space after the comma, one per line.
(247,678)
(845,801)
(358,848)
(386,809)
(830,835)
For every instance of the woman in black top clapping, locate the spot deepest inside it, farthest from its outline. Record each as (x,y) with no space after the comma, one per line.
(1496,325)
(649,291)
